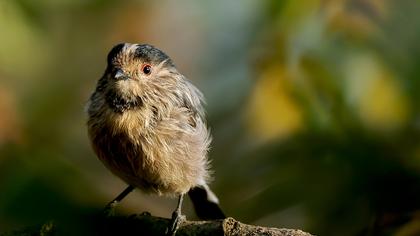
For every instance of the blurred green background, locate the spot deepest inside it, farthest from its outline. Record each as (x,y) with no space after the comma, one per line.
(313,106)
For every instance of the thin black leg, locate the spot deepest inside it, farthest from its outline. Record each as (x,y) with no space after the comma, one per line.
(109,208)
(177,218)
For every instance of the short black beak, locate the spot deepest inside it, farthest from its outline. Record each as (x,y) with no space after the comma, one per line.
(120,75)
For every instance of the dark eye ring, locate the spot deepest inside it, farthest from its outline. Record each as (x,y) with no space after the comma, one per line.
(146,69)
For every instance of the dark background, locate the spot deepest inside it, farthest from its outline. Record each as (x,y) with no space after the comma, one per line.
(313,106)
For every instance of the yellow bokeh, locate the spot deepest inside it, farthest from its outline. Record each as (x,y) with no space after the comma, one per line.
(272,111)
(376,94)
(384,106)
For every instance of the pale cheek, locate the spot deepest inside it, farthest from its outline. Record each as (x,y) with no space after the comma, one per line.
(137,89)
(136,75)
(125,87)
(133,87)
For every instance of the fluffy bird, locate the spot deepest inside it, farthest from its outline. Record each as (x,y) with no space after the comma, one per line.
(146,124)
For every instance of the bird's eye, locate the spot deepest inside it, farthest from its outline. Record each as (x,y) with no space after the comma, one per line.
(147,69)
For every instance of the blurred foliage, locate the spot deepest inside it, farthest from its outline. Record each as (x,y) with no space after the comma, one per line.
(313,107)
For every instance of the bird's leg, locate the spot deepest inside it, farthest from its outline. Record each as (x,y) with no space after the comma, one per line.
(110,207)
(177,218)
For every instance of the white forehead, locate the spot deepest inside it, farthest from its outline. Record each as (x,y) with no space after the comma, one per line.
(130,47)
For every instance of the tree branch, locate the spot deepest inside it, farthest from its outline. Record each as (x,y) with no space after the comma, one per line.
(145,224)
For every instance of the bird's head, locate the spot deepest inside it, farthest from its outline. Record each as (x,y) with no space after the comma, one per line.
(136,74)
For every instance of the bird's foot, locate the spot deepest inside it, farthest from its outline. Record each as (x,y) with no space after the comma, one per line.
(176,221)
(109,209)
(145,213)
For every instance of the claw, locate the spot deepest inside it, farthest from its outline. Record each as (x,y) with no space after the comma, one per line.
(176,221)
(177,218)
(109,209)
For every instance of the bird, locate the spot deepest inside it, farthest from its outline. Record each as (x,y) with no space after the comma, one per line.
(146,124)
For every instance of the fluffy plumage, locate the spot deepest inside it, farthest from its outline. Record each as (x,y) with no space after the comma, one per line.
(149,129)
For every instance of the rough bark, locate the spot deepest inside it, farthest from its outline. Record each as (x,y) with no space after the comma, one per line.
(145,224)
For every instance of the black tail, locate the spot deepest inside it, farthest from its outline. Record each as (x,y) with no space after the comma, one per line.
(205,203)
